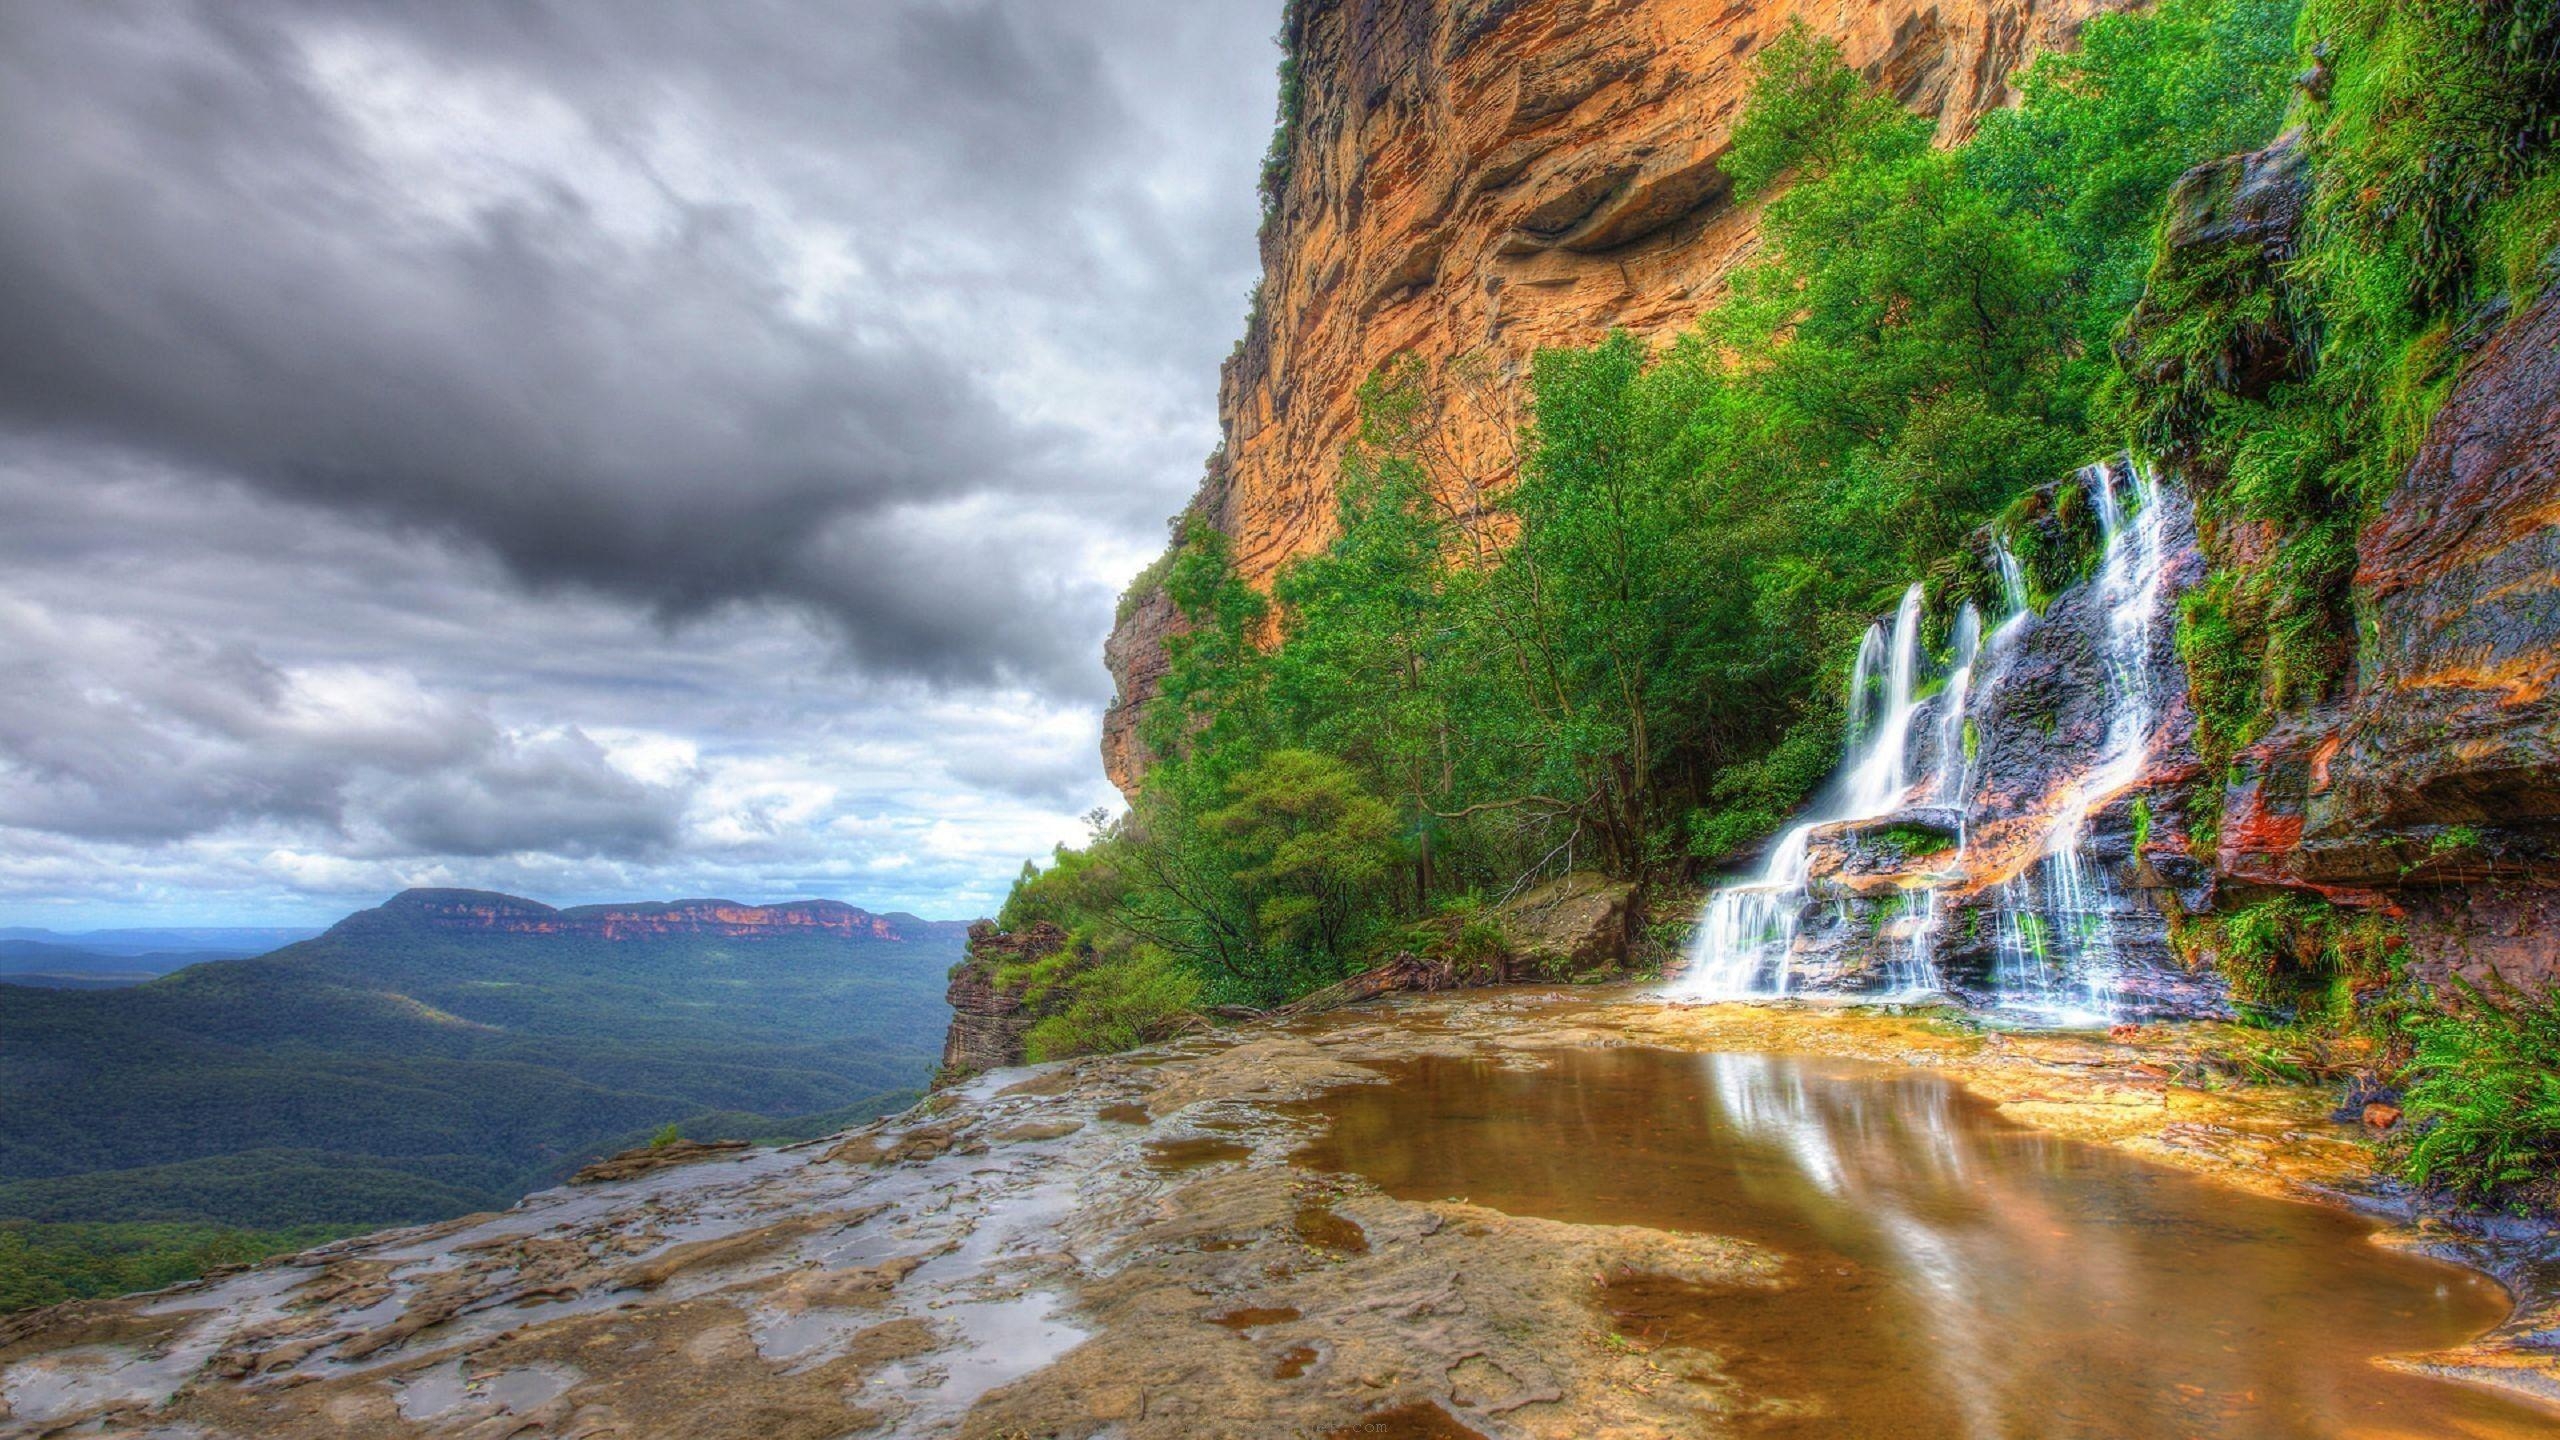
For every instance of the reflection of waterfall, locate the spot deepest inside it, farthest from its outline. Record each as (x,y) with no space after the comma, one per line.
(2055,951)
(1749,930)
(1906,1146)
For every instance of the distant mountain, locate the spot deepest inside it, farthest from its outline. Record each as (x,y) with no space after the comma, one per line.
(213,942)
(451,1049)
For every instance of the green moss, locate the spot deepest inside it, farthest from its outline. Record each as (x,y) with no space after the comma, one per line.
(2037,936)
(2055,534)
(2224,652)
(2303,957)
(1908,840)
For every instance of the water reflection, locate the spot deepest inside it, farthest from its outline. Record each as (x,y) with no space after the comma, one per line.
(1950,1275)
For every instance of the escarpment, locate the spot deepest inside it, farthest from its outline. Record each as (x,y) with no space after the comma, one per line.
(1469,181)
(2432,789)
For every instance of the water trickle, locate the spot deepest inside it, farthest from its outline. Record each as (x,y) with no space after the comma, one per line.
(2013,578)
(1954,767)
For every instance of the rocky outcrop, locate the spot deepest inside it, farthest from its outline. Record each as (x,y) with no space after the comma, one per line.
(1472,180)
(1571,927)
(481,912)
(988,1018)
(1136,656)
(2433,788)
(2231,227)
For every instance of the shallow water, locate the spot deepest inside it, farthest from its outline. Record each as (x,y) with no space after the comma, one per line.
(1948,1273)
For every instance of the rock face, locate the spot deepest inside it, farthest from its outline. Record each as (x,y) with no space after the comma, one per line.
(2434,787)
(2231,226)
(988,1020)
(1473,180)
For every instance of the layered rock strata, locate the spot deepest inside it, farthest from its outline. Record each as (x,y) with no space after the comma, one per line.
(988,1017)
(2433,788)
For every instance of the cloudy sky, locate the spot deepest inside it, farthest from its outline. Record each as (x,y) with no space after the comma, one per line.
(603,450)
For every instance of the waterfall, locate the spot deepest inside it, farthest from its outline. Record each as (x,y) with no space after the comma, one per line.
(2013,577)
(2056,944)
(1954,767)
(2054,950)
(1749,930)
(1876,781)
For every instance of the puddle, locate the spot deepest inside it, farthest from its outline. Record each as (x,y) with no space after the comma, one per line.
(1406,1422)
(1124,1113)
(1194,1153)
(450,1388)
(1949,1273)
(1320,1227)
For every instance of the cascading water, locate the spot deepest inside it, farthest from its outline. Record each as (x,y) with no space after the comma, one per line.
(2054,952)
(2056,943)
(1745,938)
(1955,767)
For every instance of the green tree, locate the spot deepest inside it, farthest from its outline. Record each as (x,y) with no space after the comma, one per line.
(1313,847)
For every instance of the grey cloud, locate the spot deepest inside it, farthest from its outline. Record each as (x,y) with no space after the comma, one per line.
(414,411)
(210,260)
(122,734)
(556,794)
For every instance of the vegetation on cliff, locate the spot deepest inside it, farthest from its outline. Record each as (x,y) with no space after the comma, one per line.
(2291,374)
(1630,658)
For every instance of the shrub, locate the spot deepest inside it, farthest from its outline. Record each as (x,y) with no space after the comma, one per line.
(1105,1004)
(2303,956)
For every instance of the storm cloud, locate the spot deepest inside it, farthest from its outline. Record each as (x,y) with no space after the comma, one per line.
(368,366)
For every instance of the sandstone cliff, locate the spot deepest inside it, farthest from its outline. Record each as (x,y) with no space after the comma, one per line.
(1470,181)
(2433,788)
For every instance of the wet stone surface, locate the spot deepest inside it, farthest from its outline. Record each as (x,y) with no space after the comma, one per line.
(1509,1214)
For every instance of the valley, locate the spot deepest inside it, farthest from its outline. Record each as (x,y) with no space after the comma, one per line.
(443,1053)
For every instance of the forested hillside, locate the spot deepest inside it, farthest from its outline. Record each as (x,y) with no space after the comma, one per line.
(1631,658)
(409,1065)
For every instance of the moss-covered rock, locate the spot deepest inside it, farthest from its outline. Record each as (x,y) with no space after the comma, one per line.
(2219,318)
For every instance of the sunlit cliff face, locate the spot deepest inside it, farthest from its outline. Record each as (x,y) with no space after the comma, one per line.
(1470,183)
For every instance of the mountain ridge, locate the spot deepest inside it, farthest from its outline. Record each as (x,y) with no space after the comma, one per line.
(490,911)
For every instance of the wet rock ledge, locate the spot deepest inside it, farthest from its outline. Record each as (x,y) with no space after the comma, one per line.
(1112,1245)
